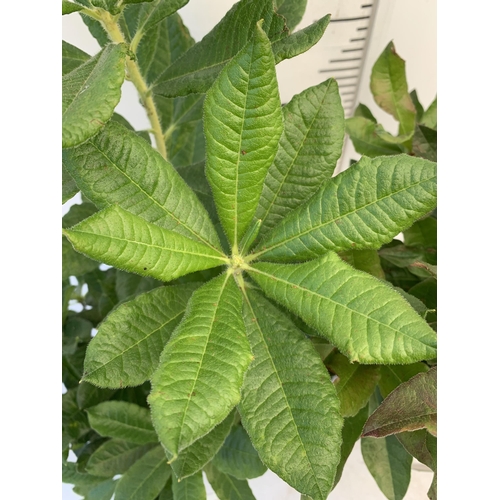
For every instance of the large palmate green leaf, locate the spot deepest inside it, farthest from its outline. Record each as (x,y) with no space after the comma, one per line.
(238,457)
(146,478)
(368,321)
(196,456)
(72,57)
(91,93)
(128,344)
(243,124)
(190,488)
(201,369)
(390,89)
(121,239)
(355,383)
(122,420)
(309,148)
(289,407)
(115,457)
(411,406)
(389,464)
(366,136)
(117,167)
(363,207)
(227,487)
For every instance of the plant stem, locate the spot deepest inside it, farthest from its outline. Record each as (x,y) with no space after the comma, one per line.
(134,74)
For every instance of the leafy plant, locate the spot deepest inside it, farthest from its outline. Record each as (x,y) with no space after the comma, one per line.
(274,280)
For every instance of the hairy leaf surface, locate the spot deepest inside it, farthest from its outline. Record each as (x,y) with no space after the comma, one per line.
(117,167)
(190,488)
(389,464)
(121,239)
(91,93)
(238,457)
(128,344)
(146,478)
(363,207)
(196,456)
(115,457)
(308,151)
(289,407)
(411,406)
(368,321)
(122,420)
(201,369)
(355,383)
(390,89)
(227,487)
(70,7)
(243,124)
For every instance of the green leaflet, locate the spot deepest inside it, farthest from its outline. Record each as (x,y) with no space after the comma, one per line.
(190,488)
(238,457)
(126,241)
(363,111)
(128,286)
(69,187)
(146,478)
(355,383)
(366,137)
(91,93)
(102,491)
(292,11)
(74,421)
(117,167)
(227,487)
(72,57)
(122,121)
(363,207)
(425,143)
(429,118)
(128,344)
(300,41)
(71,475)
(122,420)
(201,369)
(390,89)
(242,124)
(70,7)
(115,457)
(392,376)
(389,464)
(74,263)
(353,426)
(308,151)
(422,445)
(369,322)
(411,406)
(196,70)
(196,456)
(364,260)
(139,19)
(289,406)
(418,106)
(88,395)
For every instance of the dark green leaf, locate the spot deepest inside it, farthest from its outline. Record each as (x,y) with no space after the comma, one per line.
(389,464)
(91,93)
(72,57)
(292,11)
(69,7)
(69,187)
(418,107)
(429,118)
(422,445)
(364,260)
(75,330)
(89,395)
(115,457)
(71,475)
(201,369)
(355,383)
(425,143)
(129,285)
(121,420)
(146,478)
(289,407)
(365,112)
(238,457)
(393,375)
(411,406)
(227,487)
(127,347)
(141,133)
(308,151)
(74,420)
(190,488)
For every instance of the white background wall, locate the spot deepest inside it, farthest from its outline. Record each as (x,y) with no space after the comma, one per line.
(411,24)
